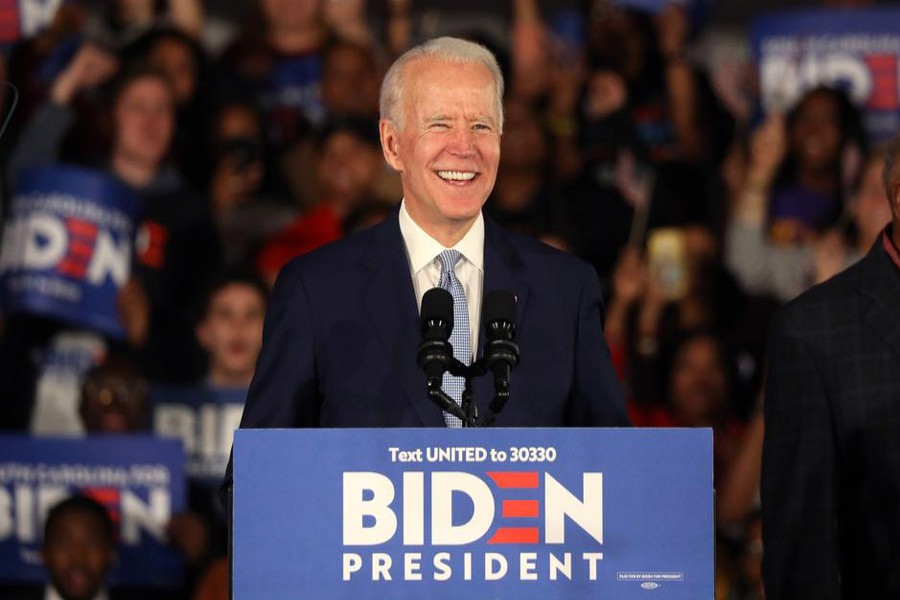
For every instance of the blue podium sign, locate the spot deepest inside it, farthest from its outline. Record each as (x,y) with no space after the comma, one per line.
(477,513)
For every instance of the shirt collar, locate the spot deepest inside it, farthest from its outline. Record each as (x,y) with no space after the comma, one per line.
(422,249)
(889,247)
(50,593)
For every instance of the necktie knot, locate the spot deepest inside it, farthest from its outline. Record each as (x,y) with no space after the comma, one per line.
(448,259)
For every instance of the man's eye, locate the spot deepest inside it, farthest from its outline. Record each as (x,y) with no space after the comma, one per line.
(481,127)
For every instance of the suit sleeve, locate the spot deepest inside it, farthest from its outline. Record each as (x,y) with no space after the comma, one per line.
(799,473)
(596,399)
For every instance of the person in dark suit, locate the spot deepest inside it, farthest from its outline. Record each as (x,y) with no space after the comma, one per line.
(342,329)
(831,455)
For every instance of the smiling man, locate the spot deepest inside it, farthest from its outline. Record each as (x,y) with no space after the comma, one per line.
(342,330)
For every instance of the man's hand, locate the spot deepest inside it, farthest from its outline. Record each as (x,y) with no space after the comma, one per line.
(134,311)
(90,67)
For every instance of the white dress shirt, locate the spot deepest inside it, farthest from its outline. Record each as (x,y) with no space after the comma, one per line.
(422,252)
(50,593)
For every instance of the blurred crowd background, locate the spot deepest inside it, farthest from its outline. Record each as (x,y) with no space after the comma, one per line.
(633,139)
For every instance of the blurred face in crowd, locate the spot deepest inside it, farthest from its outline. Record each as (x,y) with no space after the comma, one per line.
(350,82)
(448,150)
(815,136)
(77,554)
(143,118)
(870,207)
(239,139)
(231,333)
(615,40)
(289,15)
(114,400)
(698,382)
(348,168)
(133,12)
(523,144)
(174,58)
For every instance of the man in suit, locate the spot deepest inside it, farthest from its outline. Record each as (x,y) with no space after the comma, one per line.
(831,456)
(342,328)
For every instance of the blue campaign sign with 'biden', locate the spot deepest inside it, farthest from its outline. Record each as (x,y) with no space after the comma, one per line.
(473,513)
(139,479)
(204,420)
(857,51)
(67,246)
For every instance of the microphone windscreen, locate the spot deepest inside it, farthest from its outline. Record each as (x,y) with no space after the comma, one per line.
(437,305)
(499,305)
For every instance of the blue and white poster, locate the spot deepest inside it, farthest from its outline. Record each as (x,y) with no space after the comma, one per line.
(473,513)
(67,246)
(854,50)
(203,420)
(140,480)
(291,97)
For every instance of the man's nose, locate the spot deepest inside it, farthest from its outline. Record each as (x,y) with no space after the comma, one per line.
(462,141)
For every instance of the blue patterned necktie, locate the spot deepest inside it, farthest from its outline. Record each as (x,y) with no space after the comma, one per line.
(459,338)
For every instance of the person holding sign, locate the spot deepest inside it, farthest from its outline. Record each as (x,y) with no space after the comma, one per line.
(831,463)
(176,238)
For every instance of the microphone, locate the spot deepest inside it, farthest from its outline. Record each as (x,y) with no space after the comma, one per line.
(435,355)
(501,353)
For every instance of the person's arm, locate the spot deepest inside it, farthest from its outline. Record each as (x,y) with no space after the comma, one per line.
(187,15)
(596,398)
(681,84)
(42,137)
(738,494)
(800,480)
(529,50)
(399,26)
(759,266)
(348,19)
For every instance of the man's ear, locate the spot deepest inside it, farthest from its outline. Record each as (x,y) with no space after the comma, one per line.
(201,334)
(390,144)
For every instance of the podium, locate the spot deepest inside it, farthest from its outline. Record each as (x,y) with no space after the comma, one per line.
(473,513)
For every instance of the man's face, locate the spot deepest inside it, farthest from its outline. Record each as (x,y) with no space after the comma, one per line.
(77,555)
(114,402)
(232,331)
(449,148)
(144,121)
(348,169)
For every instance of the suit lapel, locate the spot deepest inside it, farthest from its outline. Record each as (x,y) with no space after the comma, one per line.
(390,302)
(503,270)
(880,281)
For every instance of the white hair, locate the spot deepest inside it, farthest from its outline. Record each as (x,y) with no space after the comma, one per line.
(449,49)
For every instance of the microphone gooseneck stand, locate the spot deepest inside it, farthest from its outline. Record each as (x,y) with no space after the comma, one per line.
(435,354)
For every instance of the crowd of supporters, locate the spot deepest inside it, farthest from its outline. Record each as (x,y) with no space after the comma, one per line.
(252,142)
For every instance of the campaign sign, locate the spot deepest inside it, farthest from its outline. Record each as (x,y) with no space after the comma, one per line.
(21,19)
(473,513)
(290,97)
(140,479)
(204,420)
(67,246)
(854,50)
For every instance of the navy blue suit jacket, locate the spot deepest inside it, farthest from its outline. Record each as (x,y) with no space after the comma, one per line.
(342,331)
